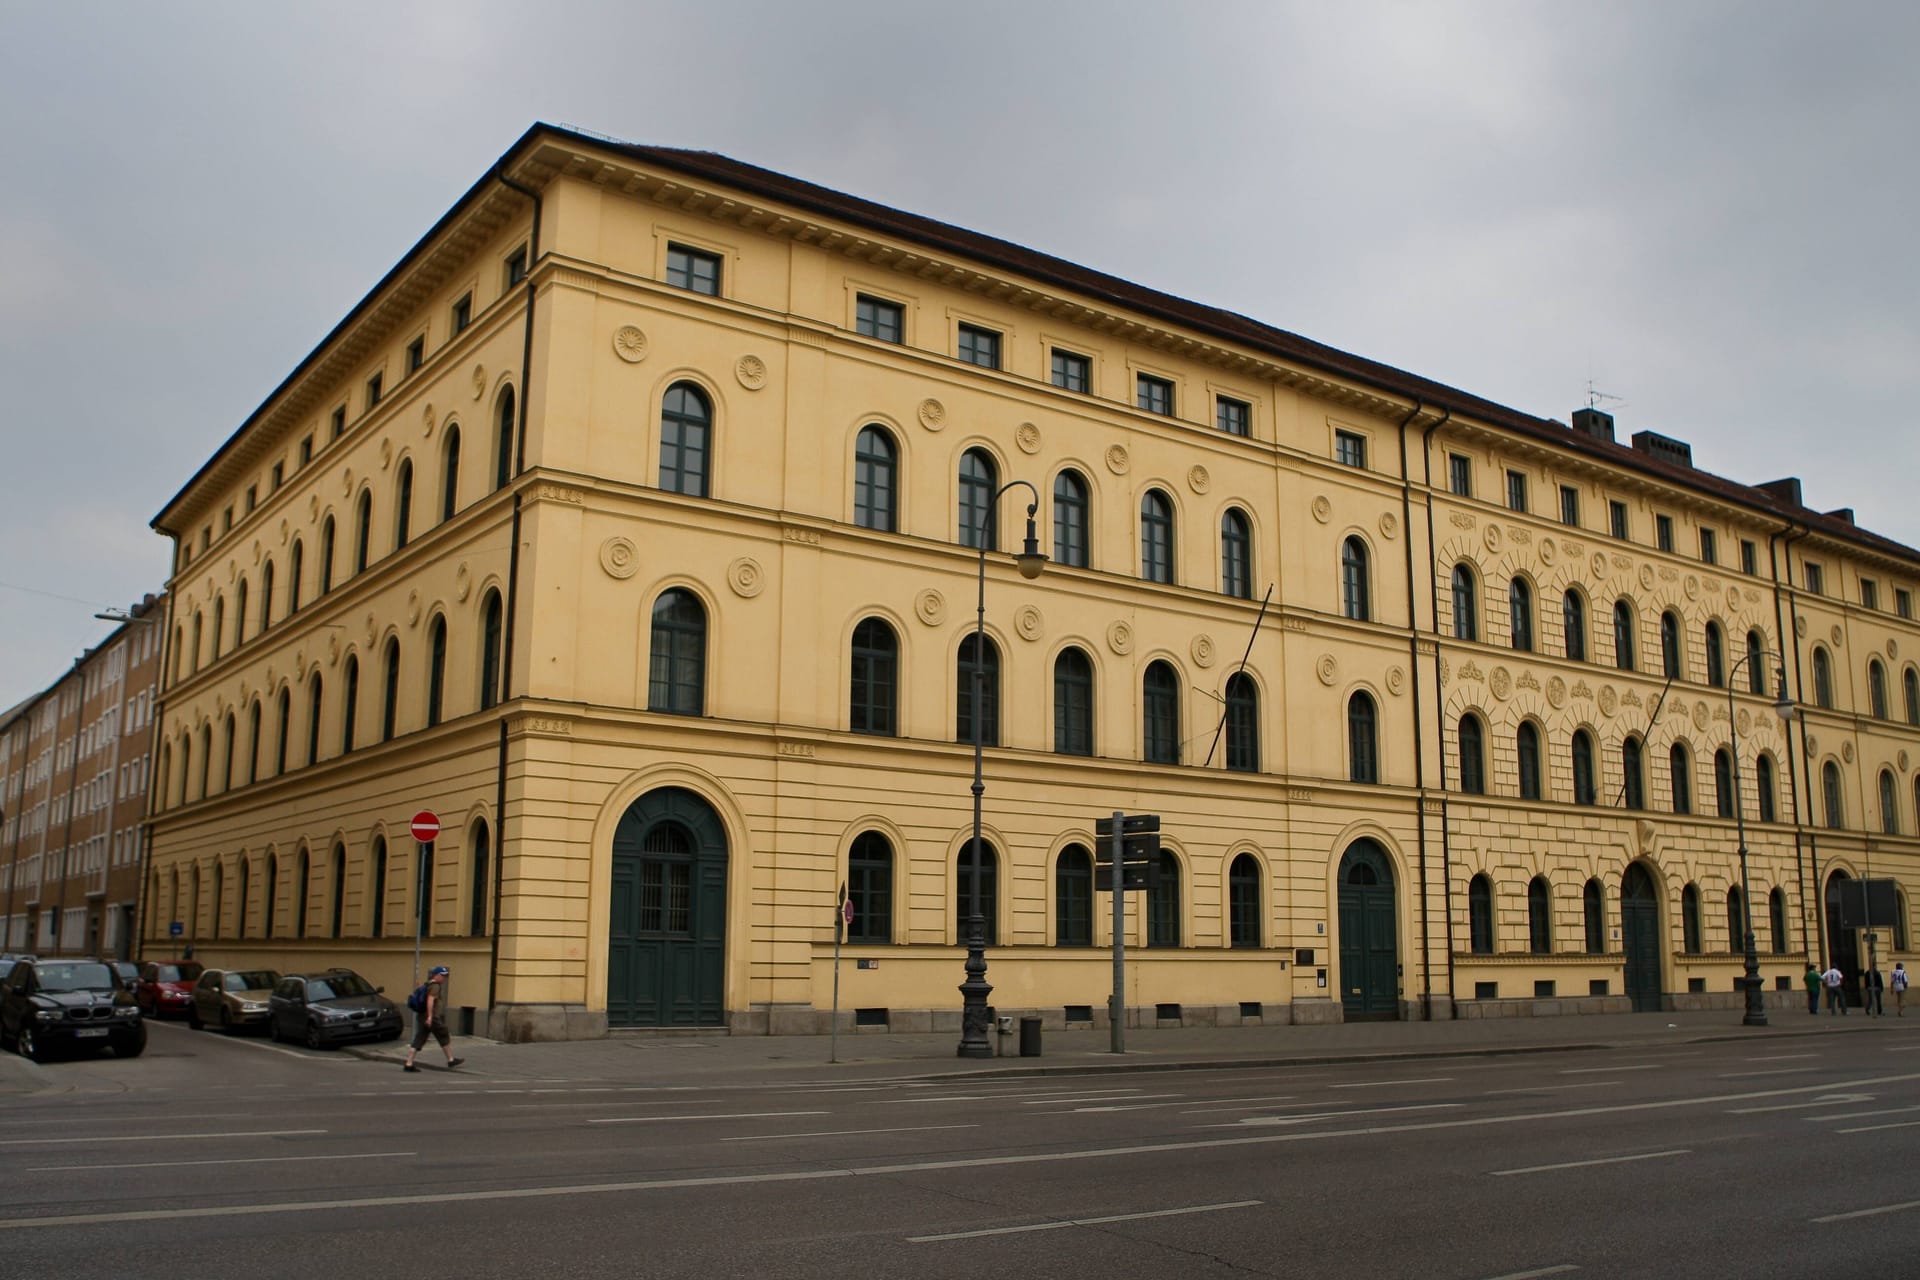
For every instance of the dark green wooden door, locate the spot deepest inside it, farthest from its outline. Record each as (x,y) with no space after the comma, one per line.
(1369,943)
(667,918)
(1640,939)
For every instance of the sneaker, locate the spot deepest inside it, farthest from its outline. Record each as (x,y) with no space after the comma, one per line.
(454,1063)
(408,1066)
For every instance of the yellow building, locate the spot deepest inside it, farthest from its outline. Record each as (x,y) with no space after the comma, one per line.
(630,525)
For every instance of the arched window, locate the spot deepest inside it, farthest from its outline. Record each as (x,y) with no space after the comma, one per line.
(677,658)
(1520,614)
(503,440)
(1363,742)
(1690,920)
(253,742)
(403,504)
(1480,916)
(314,694)
(1836,813)
(349,702)
(362,531)
(870,890)
(1723,792)
(273,893)
(1777,918)
(186,769)
(876,679)
(1156,537)
(1756,663)
(1716,656)
(1473,756)
(1243,723)
(1623,635)
(206,760)
(337,899)
(377,888)
(296,570)
(686,423)
(490,648)
(450,473)
(1736,920)
(1822,678)
(1526,744)
(1070,520)
(1355,591)
(1073,703)
(1889,804)
(1910,682)
(219,622)
(479,884)
(286,731)
(1876,677)
(326,555)
(216,924)
(1680,772)
(302,877)
(989,893)
(1670,664)
(1236,555)
(166,775)
(231,740)
(873,480)
(199,636)
(1073,898)
(979,481)
(1539,916)
(1573,621)
(1160,715)
(989,691)
(1763,787)
(245,876)
(239,612)
(1585,789)
(1466,611)
(436,669)
(1243,902)
(1163,904)
(390,694)
(1633,767)
(179,652)
(1593,908)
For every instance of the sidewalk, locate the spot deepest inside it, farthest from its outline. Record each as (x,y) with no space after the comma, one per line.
(681,1059)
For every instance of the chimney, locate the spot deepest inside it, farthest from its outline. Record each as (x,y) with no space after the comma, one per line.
(1664,448)
(1844,513)
(1592,422)
(1786,491)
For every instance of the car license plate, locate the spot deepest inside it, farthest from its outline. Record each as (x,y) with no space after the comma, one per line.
(91,1031)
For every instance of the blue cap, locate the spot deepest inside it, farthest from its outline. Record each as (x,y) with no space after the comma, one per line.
(436,971)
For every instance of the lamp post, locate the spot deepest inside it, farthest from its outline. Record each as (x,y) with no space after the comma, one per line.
(1783,704)
(975,990)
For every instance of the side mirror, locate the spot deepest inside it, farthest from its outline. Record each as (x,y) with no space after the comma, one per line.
(380,991)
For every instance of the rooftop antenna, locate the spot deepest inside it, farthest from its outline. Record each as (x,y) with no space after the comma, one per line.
(1595,396)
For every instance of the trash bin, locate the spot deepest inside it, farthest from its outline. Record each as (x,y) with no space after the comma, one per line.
(1029,1037)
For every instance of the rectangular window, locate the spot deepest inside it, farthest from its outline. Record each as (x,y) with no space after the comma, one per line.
(516,266)
(306,452)
(693,270)
(1709,547)
(416,354)
(1663,532)
(275,476)
(1617,519)
(1350,449)
(1072,372)
(1816,580)
(979,346)
(253,497)
(1460,475)
(206,538)
(1569,505)
(878,318)
(1235,417)
(373,390)
(1516,491)
(1903,602)
(1869,593)
(1749,557)
(339,423)
(463,313)
(1155,395)
(226,520)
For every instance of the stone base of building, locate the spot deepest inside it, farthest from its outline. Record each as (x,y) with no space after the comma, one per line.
(1542,1007)
(1770,1000)
(528,1023)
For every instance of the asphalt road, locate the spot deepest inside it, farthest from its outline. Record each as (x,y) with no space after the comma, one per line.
(1778,1156)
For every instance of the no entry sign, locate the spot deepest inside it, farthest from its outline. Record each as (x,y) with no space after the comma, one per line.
(425,826)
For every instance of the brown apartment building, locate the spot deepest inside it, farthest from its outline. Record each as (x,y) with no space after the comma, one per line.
(73,788)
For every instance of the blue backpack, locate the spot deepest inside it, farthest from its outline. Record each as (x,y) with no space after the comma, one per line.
(418,1000)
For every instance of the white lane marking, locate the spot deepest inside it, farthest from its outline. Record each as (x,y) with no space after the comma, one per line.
(1153,1149)
(1869,1213)
(1560,1270)
(1771,1071)
(1084,1222)
(1059,1102)
(1381,1084)
(843,1133)
(287,1053)
(1903,1048)
(1556,1088)
(1859,1115)
(958,1097)
(1341,1115)
(159,1137)
(1783,1057)
(737,1115)
(182,1164)
(1826,1100)
(1874,1128)
(1600,1071)
(1583,1164)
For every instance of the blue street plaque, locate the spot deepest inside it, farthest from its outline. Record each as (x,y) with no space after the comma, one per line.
(176,929)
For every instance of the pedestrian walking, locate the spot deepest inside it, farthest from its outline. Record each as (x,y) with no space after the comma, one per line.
(1899,989)
(1812,980)
(429,1005)
(1836,998)
(1873,988)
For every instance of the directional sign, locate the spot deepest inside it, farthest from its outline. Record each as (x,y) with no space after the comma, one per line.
(1133,876)
(1135,848)
(425,826)
(1129,823)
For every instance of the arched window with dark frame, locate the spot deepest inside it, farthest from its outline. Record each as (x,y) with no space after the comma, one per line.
(989,690)
(253,742)
(363,531)
(337,897)
(1073,703)
(231,734)
(436,669)
(873,705)
(1526,744)
(296,570)
(450,473)
(1156,537)
(1473,756)
(1623,635)
(1236,555)
(1822,678)
(243,877)
(503,422)
(1723,795)
(874,492)
(1466,608)
(1836,810)
(314,707)
(273,894)
(1573,624)
(677,654)
(1777,918)
(1363,738)
(1763,787)
(1520,614)
(1539,916)
(686,427)
(1160,714)
(1716,656)
(219,622)
(979,481)
(1690,930)
(286,731)
(326,555)
(1355,586)
(989,891)
(1889,804)
(1670,656)
(403,504)
(1243,902)
(390,693)
(1909,682)
(1876,683)
(302,882)
(1073,897)
(1480,916)
(1756,663)
(377,888)
(349,702)
(1633,768)
(1070,519)
(870,890)
(1680,775)
(1594,910)
(479,882)
(1243,723)
(1163,904)
(490,650)
(1585,782)
(1736,920)
(239,613)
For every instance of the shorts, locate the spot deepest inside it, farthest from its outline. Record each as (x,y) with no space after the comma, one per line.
(422,1029)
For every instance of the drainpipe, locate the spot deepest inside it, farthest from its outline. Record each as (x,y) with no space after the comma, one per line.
(1802,773)
(1419,740)
(1413,628)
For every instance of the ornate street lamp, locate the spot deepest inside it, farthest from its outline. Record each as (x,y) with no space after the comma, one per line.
(1783,704)
(975,990)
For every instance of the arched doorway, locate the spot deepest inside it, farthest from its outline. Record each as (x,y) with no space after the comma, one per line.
(1369,948)
(667,925)
(1640,939)
(1843,943)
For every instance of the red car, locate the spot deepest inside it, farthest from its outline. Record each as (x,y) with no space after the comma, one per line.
(165,988)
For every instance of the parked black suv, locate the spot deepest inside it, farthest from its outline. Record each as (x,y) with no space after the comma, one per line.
(75,1004)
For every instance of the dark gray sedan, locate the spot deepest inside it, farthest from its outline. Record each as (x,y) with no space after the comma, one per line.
(323,1010)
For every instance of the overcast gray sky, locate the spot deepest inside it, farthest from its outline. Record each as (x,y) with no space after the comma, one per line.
(1706,208)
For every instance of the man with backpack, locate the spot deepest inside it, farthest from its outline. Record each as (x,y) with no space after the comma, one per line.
(429,1005)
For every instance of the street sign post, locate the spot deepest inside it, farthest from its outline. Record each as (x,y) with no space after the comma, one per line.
(842,917)
(1132,845)
(426,829)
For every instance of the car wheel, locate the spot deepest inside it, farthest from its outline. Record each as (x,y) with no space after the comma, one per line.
(193,1018)
(29,1045)
(131,1045)
(391,1035)
(313,1038)
(226,1021)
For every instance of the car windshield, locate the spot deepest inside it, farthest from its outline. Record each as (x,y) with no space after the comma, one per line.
(176,972)
(252,980)
(336,986)
(75,977)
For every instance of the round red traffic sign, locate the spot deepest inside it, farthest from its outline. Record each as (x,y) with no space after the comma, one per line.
(846,911)
(425,826)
